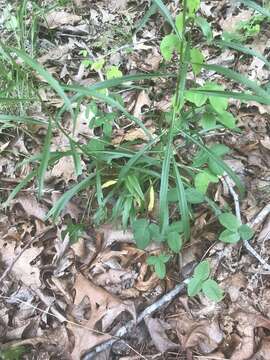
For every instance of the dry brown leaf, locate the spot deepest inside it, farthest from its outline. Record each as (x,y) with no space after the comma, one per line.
(157,330)
(132,135)
(64,169)
(56,53)
(231,22)
(22,270)
(264,350)
(142,100)
(204,335)
(31,206)
(56,19)
(266,142)
(111,235)
(233,284)
(246,323)
(105,308)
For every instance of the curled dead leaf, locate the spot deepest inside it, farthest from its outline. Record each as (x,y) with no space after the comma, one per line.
(157,329)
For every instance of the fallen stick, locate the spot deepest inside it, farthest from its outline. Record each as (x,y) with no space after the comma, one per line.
(164,300)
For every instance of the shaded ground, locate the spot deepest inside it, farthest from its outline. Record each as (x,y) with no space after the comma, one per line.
(66,284)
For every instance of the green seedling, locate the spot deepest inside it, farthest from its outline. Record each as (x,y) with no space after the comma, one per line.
(201,282)
(234,230)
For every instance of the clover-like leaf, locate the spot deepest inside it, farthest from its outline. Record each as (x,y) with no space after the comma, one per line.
(229,237)
(229,221)
(212,290)
(175,242)
(246,232)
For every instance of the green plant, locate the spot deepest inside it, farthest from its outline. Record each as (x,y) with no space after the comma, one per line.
(159,264)
(201,281)
(13,353)
(234,230)
(127,182)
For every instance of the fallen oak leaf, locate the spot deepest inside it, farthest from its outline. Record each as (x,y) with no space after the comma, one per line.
(104,309)
(56,19)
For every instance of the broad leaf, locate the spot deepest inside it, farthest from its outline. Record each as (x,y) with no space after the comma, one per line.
(202,271)
(141,233)
(197,59)
(205,27)
(229,221)
(202,180)
(227,119)
(208,121)
(194,286)
(175,242)
(194,196)
(245,232)
(212,290)
(229,237)
(168,45)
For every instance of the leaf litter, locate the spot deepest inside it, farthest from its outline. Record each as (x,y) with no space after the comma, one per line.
(65,298)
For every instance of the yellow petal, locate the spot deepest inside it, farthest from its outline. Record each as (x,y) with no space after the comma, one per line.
(151,198)
(108,183)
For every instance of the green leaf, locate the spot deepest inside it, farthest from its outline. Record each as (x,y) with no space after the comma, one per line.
(202,271)
(202,181)
(205,27)
(245,232)
(211,155)
(172,195)
(168,45)
(160,269)
(229,221)
(44,74)
(179,22)
(239,78)
(67,196)
(194,286)
(256,7)
(141,233)
(176,226)
(229,237)
(193,6)
(175,242)
(212,290)
(155,232)
(220,149)
(164,258)
(197,59)
(219,104)
(98,65)
(194,196)
(227,119)
(159,264)
(151,260)
(182,200)
(208,121)
(196,98)
(113,72)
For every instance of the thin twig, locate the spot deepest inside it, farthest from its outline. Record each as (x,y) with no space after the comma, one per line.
(261,216)
(164,300)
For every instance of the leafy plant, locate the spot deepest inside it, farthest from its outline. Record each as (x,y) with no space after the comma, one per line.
(13,353)
(127,183)
(159,264)
(234,230)
(201,281)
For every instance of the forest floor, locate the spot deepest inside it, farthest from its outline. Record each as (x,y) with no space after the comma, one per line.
(69,285)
